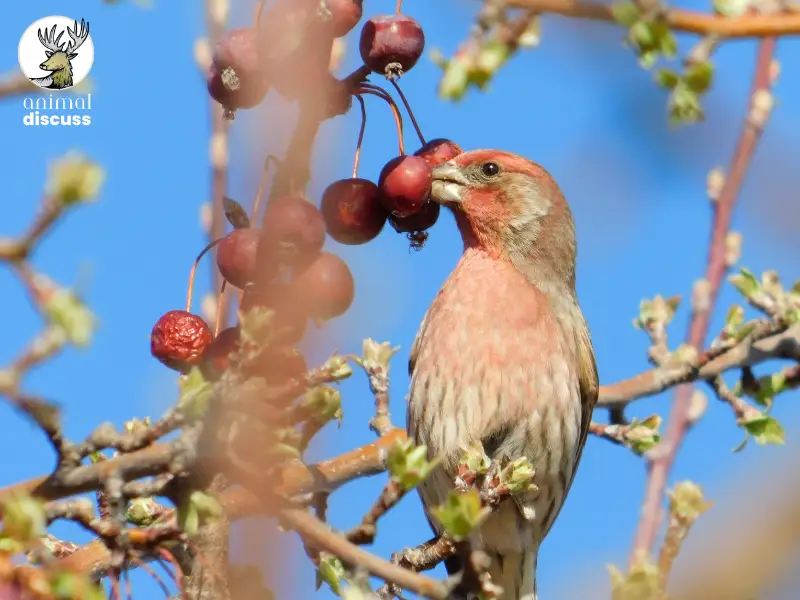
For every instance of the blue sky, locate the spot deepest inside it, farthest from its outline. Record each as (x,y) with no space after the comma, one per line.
(579,105)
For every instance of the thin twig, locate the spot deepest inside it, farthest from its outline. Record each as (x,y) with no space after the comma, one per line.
(660,465)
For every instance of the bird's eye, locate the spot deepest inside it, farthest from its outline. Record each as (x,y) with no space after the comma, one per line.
(490,169)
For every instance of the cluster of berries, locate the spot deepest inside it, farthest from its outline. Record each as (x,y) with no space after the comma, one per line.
(281,265)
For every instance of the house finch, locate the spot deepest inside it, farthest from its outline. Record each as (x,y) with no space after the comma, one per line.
(503,355)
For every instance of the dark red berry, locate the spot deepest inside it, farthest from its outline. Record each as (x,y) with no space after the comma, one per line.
(439,151)
(236,78)
(236,257)
(280,365)
(326,288)
(419,221)
(179,338)
(391,44)
(405,185)
(353,211)
(217,357)
(294,229)
(345,15)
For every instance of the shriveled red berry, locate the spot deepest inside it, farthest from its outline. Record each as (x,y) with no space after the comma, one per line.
(237,256)
(353,211)
(179,338)
(294,229)
(345,15)
(326,288)
(439,151)
(391,44)
(217,357)
(236,78)
(405,185)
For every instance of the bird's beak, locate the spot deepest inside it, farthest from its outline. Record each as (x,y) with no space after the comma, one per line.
(449,184)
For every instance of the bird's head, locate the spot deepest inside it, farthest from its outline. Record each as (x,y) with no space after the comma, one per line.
(510,207)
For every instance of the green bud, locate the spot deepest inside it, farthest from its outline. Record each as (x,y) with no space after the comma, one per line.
(474,458)
(24,518)
(143,512)
(518,476)
(324,403)
(698,77)
(455,79)
(461,513)
(67,585)
(685,354)
(768,387)
(330,571)
(198,510)
(408,464)
(686,501)
(625,13)
(74,178)
(337,367)
(734,319)
(667,78)
(376,356)
(66,311)
(642,582)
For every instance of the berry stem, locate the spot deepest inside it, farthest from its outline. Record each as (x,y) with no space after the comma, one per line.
(399,7)
(398,118)
(408,110)
(193,272)
(263,184)
(220,308)
(259,11)
(360,135)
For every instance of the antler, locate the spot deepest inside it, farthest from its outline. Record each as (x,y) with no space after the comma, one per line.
(77,38)
(49,40)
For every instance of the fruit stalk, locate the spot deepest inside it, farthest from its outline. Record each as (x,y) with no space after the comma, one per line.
(263,183)
(409,111)
(193,272)
(361,132)
(398,118)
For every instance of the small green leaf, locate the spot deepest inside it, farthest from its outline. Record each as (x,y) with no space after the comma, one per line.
(667,78)
(698,77)
(195,393)
(323,403)
(455,80)
(256,326)
(461,513)
(686,501)
(746,283)
(67,585)
(332,572)
(765,430)
(518,476)
(768,387)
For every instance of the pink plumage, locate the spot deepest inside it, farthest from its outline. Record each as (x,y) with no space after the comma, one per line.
(503,355)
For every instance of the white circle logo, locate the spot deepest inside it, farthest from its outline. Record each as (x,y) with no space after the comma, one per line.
(56,52)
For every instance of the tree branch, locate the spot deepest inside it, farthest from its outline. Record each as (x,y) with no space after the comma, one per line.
(660,465)
(318,535)
(778,24)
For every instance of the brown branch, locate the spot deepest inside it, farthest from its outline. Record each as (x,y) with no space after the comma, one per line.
(317,534)
(16,85)
(238,503)
(687,21)
(659,466)
(751,351)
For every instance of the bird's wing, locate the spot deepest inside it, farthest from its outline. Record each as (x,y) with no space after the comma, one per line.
(588,386)
(412,356)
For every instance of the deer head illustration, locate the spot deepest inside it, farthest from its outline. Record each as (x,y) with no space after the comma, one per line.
(59,55)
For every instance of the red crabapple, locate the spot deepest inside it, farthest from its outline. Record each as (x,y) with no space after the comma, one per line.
(345,15)
(439,151)
(289,322)
(179,339)
(236,78)
(294,228)
(419,221)
(217,357)
(353,211)
(391,44)
(326,288)
(405,185)
(236,256)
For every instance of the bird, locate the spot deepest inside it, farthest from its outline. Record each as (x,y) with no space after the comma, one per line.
(503,356)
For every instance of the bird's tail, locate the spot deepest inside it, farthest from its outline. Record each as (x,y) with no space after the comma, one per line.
(515,573)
